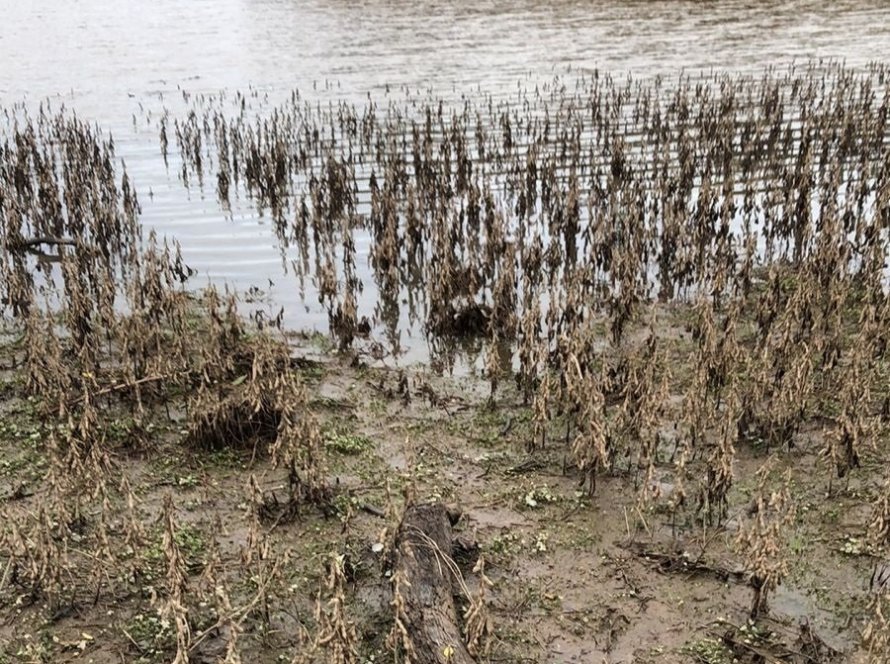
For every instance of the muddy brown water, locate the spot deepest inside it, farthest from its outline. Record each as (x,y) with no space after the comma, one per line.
(120,64)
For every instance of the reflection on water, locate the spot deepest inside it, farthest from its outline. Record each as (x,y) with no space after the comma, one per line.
(102,51)
(121,63)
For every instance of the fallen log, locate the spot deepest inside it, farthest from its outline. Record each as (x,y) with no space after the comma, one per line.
(423,562)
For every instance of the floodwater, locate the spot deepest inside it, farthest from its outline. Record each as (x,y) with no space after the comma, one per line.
(120,64)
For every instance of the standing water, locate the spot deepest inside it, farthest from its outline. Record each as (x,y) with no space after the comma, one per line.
(122,65)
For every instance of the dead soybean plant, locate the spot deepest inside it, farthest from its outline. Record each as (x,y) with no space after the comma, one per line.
(875,637)
(640,381)
(399,639)
(763,538)
(335,640)
(713,492)
(855,428)
(478,625)
(592,446)
(879,523)
(173,605)
(300,449)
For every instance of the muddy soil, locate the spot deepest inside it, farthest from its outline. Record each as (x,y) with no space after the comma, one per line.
(574,578)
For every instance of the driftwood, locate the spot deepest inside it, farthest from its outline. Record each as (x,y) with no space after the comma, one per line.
(423,549)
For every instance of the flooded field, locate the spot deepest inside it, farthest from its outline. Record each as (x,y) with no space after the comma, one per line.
(123,67)
(338,333)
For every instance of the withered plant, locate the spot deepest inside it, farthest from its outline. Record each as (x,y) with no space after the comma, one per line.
(335,639)
(763,538)
(173,606)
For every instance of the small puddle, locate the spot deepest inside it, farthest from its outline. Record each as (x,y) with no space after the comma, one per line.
(794,603)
